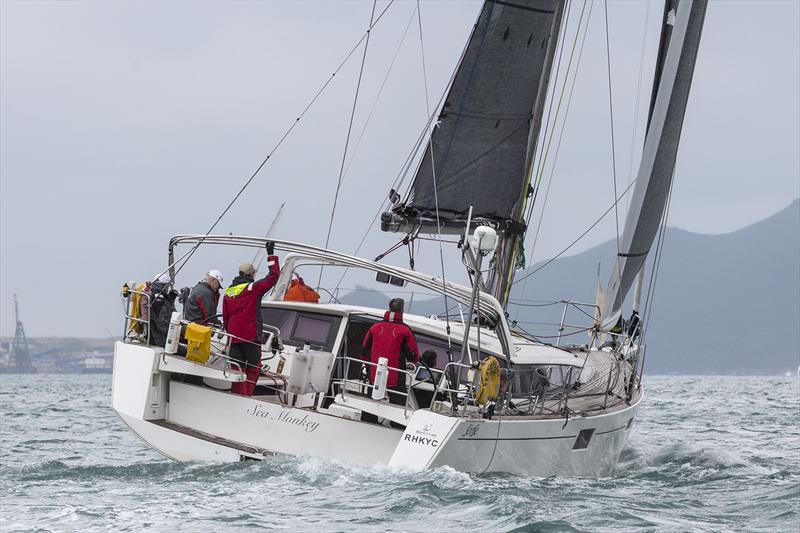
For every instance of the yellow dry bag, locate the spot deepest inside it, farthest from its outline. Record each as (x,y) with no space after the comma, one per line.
(198,339)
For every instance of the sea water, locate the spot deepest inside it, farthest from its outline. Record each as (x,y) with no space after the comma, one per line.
(705,454)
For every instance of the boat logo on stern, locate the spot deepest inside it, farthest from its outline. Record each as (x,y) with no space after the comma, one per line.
(423,436)
(471,431)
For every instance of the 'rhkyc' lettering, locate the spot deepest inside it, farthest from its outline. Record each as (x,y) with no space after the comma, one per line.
(422,440)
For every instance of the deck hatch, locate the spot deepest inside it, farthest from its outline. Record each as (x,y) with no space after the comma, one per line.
(582,441)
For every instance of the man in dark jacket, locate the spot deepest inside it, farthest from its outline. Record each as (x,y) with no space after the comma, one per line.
(241,313)
(201,306)
(162,304)
(395,341)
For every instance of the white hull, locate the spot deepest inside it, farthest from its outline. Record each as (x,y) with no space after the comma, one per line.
(195,423)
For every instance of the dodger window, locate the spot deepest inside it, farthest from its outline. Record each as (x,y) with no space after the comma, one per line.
(315,330)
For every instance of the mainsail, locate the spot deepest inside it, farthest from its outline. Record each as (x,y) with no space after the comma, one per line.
(654,180)
(480,153)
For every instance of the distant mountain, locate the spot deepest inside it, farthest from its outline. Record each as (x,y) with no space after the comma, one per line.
(723,303)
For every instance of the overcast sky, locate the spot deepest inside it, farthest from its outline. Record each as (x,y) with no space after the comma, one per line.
(124,123)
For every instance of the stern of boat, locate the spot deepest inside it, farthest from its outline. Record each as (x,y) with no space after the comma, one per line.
(140,398)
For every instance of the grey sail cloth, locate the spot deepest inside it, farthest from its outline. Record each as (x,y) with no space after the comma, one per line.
(479,148)
(654,179)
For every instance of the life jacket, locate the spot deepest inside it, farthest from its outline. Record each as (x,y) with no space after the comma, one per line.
(140,307)
(298,291)
(241,305)
(395,341)
(489,386)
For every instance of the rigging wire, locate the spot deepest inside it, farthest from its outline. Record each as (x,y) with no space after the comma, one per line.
(563,129)
(405,168)
(581,236)
(637,110)
(380,92)
(547,123)
(544,303)
(347,139)
(611,116)
(398,180)
(561,135)
(433,174)
(543,161)
(283,138)
(648,305)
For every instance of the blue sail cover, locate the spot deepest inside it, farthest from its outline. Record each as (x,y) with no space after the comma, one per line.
(489,121)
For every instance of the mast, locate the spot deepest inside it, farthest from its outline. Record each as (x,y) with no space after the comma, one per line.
(508,249)
(480,154)
(681,29)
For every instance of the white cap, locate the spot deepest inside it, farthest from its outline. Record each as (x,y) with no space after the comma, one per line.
(247,268)
(163,278)
(216,274)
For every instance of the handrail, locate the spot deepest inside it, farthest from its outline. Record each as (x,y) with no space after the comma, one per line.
(128,316)
(562,324)
(488,306)
(468,393)
(368,385)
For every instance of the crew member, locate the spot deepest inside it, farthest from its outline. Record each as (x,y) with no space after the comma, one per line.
(201,306)
(162,304)
(395,341)
(241,314)
(425,376)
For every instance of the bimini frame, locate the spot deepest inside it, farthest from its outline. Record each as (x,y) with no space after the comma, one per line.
(297,253)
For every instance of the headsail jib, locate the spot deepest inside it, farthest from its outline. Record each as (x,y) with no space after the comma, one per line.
(478,152)
(651,193)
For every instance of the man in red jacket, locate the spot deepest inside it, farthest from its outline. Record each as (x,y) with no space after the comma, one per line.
(395,341)
(241,315)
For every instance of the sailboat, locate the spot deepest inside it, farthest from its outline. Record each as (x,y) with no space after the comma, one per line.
(497,399)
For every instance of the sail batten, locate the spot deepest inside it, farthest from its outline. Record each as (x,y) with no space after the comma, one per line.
(479,148)
(654,179)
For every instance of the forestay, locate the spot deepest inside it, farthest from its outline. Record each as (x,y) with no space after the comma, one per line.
(479,153)
(654,179)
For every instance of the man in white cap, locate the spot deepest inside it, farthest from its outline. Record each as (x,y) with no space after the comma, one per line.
(201,306)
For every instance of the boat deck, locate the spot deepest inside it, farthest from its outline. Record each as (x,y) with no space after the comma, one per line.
(603,392)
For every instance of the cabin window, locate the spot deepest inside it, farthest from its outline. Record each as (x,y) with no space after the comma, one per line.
(582,442)
(439,346)
(283,319)
(425,343)
(298,327)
